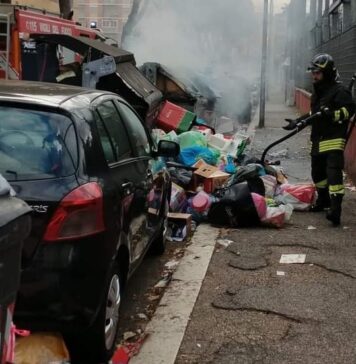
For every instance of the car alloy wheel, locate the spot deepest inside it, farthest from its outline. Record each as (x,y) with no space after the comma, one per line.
(112,311)
(158,246)
(97,343)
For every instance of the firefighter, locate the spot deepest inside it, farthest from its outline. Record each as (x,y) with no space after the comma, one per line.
(328,135)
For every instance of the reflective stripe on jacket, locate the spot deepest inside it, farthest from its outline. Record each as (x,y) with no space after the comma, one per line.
(329,131)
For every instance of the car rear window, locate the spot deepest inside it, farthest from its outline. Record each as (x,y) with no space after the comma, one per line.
(36,144)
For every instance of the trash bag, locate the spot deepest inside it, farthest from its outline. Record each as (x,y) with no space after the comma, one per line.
(251,175)
(180,176)
(245,173)
(301,197)
(171,136)
(235,207)
(270,183)
(260,204)
(157,135)
(189,156)
(192,138)
(277,216)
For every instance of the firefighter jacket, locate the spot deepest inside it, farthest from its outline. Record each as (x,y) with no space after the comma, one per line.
(329,130)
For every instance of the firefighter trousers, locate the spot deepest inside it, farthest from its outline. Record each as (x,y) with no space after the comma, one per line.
(326,170)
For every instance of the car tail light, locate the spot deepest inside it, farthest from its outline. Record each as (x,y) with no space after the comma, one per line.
(79,214)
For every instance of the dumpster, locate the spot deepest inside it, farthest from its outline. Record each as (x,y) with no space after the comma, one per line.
(15,224)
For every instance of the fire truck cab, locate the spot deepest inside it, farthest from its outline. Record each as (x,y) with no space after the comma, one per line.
(39,46)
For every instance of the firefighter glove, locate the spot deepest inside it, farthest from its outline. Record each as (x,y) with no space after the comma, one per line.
(292,124)
(326,112)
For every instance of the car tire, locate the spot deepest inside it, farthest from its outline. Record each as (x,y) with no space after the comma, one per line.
(97,343)
(158,246)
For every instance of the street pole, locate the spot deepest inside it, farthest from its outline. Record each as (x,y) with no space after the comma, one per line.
(270,61)
(261,123)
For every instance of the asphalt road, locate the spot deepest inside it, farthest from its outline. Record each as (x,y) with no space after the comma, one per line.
(253,309)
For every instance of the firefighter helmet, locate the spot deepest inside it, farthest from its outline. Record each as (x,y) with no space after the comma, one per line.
(324,62)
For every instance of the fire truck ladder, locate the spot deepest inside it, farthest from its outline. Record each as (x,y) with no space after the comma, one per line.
(5,53)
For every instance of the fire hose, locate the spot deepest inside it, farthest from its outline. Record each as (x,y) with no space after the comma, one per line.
(300,126)
(305,122)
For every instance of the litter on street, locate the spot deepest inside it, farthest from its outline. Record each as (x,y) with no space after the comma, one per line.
(177,182)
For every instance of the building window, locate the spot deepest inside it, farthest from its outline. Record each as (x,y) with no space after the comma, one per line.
(307,6)
(109,23)
(82,21)
(336,18)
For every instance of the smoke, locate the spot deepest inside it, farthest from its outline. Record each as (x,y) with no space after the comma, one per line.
(216,41)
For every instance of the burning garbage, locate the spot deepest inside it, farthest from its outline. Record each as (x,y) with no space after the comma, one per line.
(216,181)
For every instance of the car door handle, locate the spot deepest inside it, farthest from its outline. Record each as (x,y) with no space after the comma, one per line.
(127,185)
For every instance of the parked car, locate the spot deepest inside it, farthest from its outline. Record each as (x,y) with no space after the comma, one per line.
(86,164)
(15,224)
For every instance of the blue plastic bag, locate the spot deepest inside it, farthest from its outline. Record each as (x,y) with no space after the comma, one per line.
(189,156)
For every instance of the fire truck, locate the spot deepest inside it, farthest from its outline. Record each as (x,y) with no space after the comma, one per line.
(39,46)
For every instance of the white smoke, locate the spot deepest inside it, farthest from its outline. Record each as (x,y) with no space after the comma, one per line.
(218,40)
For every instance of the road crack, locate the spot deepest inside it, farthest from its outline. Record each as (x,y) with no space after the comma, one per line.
(259,310)
(293,245)
(333,270)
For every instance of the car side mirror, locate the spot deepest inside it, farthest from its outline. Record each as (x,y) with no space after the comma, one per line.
(168,149)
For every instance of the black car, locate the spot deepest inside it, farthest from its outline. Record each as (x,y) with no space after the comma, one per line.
(86,164)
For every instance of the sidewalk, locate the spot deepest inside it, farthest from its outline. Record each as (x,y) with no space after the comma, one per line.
(296,158)
(253,309)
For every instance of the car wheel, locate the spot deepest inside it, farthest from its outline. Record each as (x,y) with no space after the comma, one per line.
(158,246)
(97,344)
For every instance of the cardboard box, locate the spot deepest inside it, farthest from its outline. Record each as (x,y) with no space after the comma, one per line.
(180,226)
(174,117)
(209,176)
(178,198)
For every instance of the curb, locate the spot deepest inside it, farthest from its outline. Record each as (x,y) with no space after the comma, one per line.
(167,327)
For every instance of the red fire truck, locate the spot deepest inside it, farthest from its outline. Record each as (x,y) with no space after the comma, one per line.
(18,23)
(40,46)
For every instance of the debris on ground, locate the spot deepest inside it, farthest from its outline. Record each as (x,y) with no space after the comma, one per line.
(292,259)
(127,349)
(129,335)
(224,242)
(216,181)
(172,264)
(142,316)
(280,153)
(39,348)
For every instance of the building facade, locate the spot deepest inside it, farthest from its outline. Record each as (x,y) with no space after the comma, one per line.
(48,5)
(108,15)
(322,26)
(318,26)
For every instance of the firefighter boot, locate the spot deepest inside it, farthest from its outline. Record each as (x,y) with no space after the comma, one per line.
(334,212)
(323,200)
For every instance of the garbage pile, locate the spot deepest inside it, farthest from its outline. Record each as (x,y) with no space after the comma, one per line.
(214,180)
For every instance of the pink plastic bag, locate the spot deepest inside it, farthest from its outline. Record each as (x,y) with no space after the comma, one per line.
(260,204)
(277,216)
(270,183)
(301,197)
